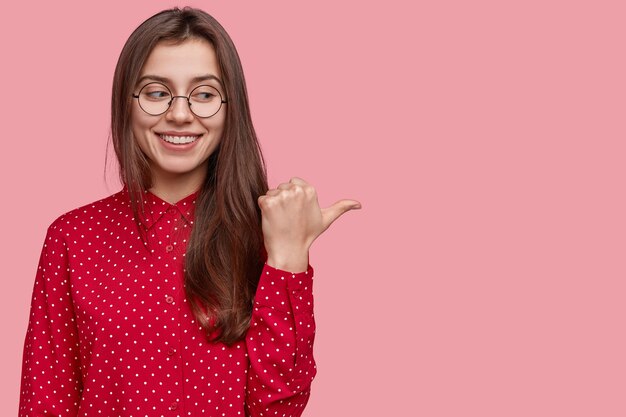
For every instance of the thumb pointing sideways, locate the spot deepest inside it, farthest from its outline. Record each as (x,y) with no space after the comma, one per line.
(332,213)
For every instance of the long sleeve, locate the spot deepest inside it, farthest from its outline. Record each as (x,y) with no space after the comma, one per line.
(51,373)
(280,344)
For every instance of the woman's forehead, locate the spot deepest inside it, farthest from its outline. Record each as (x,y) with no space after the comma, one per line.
(183,62)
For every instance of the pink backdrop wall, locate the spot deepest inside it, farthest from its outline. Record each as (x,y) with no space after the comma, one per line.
(484,275)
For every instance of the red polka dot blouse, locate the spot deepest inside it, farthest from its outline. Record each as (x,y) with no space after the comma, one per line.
(112,334)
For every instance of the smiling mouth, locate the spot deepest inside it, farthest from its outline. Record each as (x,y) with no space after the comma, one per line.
(179,140)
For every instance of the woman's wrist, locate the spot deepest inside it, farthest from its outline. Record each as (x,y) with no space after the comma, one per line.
(292,261)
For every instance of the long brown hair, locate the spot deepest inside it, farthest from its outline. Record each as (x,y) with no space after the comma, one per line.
(225,252)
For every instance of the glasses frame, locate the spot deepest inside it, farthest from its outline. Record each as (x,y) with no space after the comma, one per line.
(188,98)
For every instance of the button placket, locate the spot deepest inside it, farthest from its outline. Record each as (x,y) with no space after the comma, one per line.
(170,243)
(172,235)
(170,351)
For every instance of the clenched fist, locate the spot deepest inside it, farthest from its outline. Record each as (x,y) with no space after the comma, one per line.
(292,219)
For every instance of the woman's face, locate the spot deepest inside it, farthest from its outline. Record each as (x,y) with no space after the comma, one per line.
(177,142)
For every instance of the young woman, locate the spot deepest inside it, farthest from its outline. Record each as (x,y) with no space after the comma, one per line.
(189,292)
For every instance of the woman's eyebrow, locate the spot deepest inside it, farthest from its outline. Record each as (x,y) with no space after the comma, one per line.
(165,80)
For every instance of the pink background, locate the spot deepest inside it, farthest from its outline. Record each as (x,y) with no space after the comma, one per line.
(484,275)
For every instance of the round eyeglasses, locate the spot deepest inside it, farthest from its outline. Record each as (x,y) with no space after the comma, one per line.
(155,99)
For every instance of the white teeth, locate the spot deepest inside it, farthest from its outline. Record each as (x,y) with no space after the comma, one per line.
(179,139)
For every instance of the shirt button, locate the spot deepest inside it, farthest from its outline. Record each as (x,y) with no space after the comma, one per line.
(171,351)
(169,299)
(171,210)
(174,406)
(169,248)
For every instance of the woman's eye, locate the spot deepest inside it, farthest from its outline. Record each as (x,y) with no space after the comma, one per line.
(157,95)
(203,96)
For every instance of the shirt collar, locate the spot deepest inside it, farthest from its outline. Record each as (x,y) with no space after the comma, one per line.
(155,208)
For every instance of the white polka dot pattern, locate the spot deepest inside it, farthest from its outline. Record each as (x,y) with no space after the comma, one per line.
(112,334)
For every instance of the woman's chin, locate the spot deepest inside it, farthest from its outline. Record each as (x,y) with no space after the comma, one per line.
(173,169)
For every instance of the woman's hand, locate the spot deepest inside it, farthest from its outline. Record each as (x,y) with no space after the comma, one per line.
(292,219)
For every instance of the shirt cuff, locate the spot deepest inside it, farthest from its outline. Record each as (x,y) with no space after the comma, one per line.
(284,290)
(294,281)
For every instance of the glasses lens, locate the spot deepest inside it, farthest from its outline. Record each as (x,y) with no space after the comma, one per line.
(154,98)
(205,101)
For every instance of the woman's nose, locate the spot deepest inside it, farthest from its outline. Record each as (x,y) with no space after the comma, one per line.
(179,110)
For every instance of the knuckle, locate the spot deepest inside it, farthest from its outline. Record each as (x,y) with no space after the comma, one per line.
(268,203)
